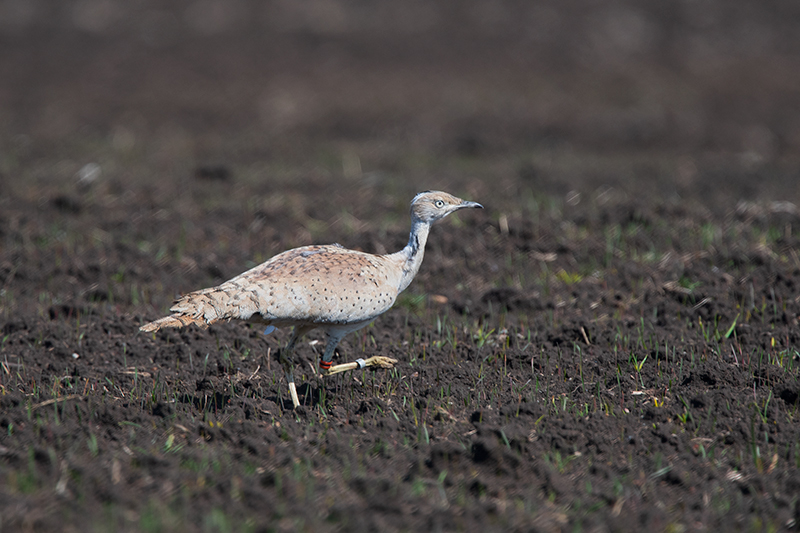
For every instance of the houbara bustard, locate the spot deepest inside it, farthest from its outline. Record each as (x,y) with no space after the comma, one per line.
(327,287)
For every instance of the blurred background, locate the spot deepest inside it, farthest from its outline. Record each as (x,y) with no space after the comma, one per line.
(566,94)
(639,161)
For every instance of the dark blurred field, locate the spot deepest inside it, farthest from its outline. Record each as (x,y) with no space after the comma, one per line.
(611,346)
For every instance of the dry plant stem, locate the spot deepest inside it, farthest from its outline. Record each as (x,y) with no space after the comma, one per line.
(293,393)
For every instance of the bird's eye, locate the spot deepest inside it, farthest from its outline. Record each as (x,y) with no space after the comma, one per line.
(439,203)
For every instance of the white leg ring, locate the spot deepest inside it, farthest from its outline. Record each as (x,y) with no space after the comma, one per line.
(361,363)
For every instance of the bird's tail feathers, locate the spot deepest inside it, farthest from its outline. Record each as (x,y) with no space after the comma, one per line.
(173,321)
(201,308)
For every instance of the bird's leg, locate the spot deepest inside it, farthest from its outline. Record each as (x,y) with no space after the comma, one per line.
(327,369)
(325,361)
(288,365)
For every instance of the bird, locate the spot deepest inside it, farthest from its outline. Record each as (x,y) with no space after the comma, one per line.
(328,287)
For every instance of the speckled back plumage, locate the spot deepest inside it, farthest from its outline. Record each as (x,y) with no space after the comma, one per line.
(310,285)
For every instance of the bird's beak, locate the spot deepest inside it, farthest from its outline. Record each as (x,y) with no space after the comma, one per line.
(465,203)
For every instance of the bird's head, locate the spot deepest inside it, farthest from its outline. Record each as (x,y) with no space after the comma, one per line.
(430,206)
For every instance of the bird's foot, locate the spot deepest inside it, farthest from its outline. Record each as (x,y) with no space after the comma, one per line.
(377,361)
(381,361)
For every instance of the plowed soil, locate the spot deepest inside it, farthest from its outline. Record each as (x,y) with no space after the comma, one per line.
(611,345)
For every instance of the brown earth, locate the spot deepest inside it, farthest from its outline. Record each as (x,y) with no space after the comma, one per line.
(612,345)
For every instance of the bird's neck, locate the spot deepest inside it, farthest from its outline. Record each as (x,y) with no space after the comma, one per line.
(410,257)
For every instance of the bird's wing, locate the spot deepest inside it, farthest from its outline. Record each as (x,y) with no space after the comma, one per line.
(308,285)
(317,284)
